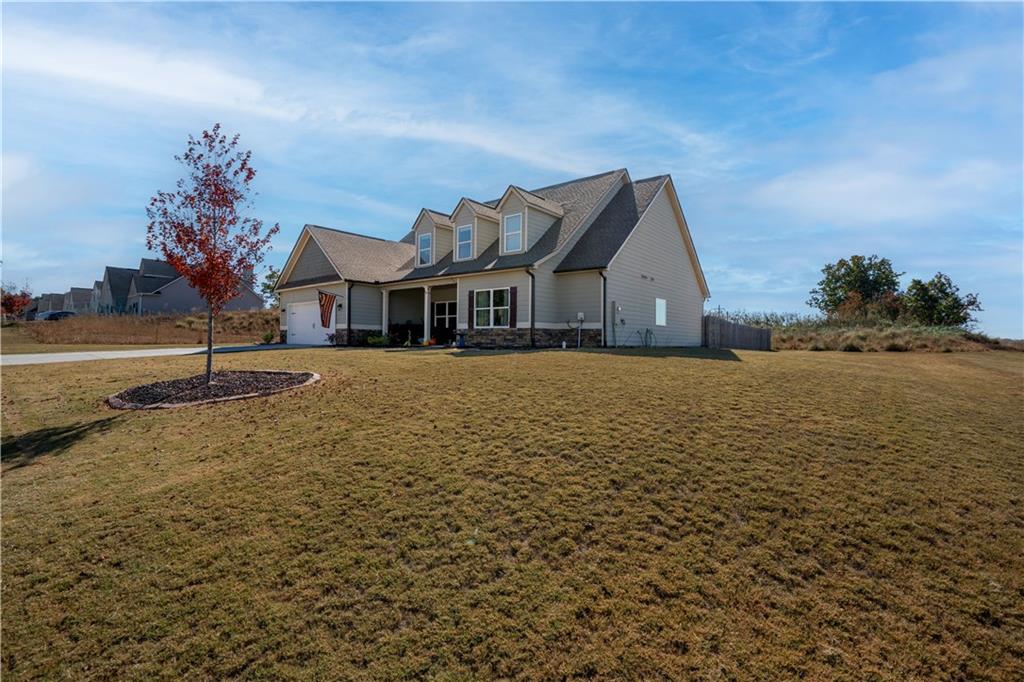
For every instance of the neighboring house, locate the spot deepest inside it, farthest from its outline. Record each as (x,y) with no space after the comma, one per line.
(607,254)
(157,288)
(77,300)
(94,298)
(48,302)
(32,309)
(113,299)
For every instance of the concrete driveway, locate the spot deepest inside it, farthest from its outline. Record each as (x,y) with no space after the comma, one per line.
(82,356)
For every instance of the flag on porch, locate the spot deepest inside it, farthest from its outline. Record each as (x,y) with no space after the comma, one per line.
(326,306)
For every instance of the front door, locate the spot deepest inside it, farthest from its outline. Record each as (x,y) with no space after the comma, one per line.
(444,321)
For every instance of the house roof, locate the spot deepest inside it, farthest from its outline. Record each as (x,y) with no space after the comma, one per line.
(600,243)
(80,295)
(152,267)
(370,259)
(479,208)
(148,284)
(98,284)
(120,280)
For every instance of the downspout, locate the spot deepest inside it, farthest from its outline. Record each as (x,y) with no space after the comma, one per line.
(533,300)
(604,308)
(348,315)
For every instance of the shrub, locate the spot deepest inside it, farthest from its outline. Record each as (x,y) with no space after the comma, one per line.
(268,337)
(375,340)
(895,347)
(850,347)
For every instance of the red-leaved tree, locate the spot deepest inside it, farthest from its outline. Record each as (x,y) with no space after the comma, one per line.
(203,228)
(14,301)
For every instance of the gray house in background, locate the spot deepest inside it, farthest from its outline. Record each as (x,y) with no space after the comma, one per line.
(48,302)
(77,300)
(605,259)
(156,288)
(94,297)
(114,288)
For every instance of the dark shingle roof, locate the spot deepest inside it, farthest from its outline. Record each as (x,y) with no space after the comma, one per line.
(120,280)
(80,295)
(361,258)
(147,284)
(152,267)
(601,242)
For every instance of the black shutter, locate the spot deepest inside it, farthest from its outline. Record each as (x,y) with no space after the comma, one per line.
(471,312)
(512,307)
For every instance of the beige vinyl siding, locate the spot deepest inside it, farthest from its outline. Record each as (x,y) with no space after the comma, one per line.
(512,206)
(549,308)
(443,242)
(405,306)
(494,280)
(486,234)
(366,302)
(654,263)
(311,263)
(464,216)
(579,292)
(309,295)
(538,223)
(424,226)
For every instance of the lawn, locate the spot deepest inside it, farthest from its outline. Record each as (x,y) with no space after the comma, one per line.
(532,515)
(15,341)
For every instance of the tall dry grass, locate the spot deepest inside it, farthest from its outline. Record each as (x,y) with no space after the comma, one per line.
(231,327)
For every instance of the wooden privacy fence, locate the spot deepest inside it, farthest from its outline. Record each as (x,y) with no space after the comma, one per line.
(721,333)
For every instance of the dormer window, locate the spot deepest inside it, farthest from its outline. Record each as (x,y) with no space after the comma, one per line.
(424,244)
(512,232)
(464,242)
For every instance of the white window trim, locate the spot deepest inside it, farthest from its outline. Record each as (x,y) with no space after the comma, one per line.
(491,308)
(664,304)
(419,249)
(522,233)
(454,316)
(458,243)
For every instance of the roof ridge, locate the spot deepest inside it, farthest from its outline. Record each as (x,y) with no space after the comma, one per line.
(653,177)
(569,182)
(354,234)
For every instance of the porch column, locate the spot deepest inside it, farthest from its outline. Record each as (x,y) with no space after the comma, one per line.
(426,312)
(384,312)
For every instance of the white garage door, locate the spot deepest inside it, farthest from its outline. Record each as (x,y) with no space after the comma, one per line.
(304,324)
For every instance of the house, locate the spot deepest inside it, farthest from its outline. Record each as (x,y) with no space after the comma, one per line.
(603,259)
(76,299)
(48,302)
(113,299)
(157,288)
(94,298)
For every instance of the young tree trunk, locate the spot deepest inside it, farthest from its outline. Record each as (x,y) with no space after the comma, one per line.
(209,344)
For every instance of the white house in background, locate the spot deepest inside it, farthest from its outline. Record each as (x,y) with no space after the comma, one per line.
(604,257)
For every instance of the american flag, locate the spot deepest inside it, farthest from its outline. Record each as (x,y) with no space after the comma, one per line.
(326,306)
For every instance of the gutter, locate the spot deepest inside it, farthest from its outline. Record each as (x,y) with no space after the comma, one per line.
(604,307)
(533,307)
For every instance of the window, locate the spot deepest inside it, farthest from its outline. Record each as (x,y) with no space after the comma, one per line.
(491,308)
(424,251)
(464,247)
(514,232)
(660,308)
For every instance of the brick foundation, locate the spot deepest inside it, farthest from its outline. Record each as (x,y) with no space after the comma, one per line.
(284,336)
(553,338)
(520,338)
(354,337)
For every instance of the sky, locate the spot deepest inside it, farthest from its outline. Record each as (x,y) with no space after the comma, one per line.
(797,134)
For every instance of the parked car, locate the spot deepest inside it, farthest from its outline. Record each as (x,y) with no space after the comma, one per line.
(54,315)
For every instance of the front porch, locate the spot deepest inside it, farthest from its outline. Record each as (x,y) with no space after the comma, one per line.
(421,313)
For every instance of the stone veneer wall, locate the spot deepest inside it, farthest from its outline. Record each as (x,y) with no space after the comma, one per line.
(520,338)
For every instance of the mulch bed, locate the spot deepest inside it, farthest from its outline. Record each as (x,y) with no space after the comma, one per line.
(194,390)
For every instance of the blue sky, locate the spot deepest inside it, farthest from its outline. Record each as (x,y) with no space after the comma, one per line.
(797,134)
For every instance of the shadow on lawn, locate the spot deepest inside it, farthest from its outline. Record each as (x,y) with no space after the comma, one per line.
(694,353)
(19,451)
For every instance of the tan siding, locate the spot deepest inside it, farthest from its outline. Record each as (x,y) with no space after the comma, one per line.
(506,278)
(539,222)
(366,302)
(443,247)
(579,292)
(464,216)
(487,234)
(312,262)
(654,263)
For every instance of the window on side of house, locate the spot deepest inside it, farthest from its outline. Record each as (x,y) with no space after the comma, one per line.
(491,308)
(513,232)
(464,245)
(424,249)
(660,312)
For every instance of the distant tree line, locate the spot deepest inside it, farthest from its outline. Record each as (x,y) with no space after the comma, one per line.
(868,288)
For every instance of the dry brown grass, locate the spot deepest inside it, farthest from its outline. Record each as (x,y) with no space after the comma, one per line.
(237,327)
(886,338)
(541,515)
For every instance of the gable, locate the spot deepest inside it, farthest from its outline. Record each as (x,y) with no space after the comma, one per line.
(311,263)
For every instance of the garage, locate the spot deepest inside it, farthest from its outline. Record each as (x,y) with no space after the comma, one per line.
(304,324)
